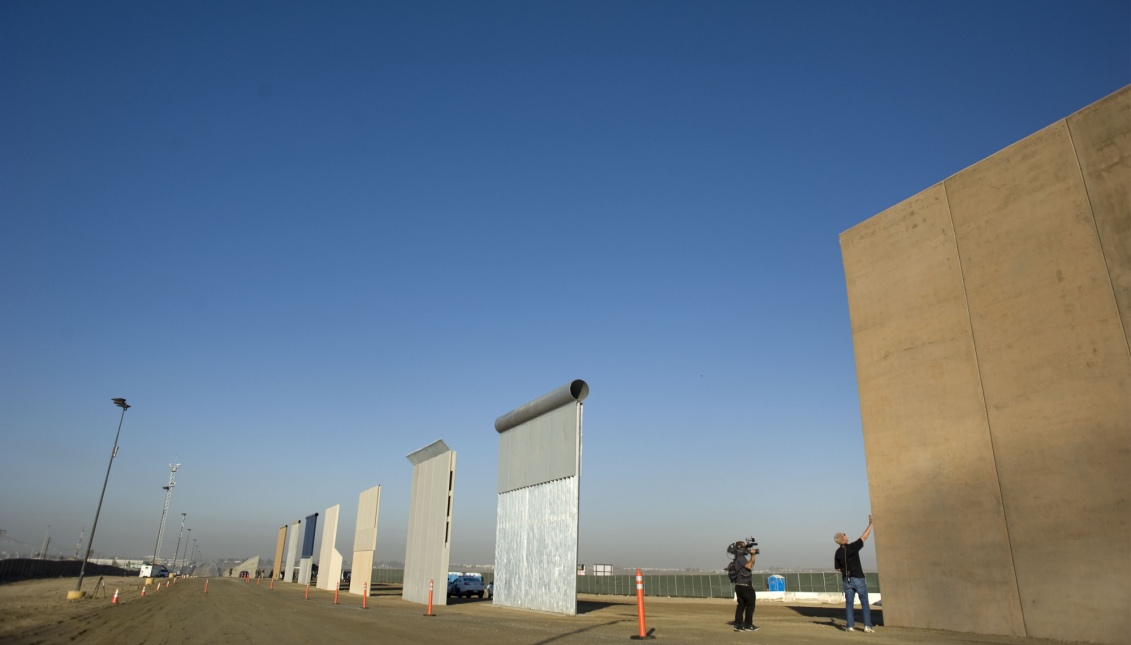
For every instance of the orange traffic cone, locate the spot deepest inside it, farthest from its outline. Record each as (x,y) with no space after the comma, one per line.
(114,601)
(143,591)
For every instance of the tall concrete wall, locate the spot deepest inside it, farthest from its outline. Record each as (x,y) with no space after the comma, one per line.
(990,319)
(429,523)
(365,539)
(279,552)
(292,551)
(329,559)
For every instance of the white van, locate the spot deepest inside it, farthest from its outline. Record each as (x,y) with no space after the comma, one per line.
(153,571)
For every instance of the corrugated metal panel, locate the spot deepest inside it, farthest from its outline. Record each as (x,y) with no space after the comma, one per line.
(536,547)
(429,525)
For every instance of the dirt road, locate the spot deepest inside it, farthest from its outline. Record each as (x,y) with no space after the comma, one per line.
(36,612)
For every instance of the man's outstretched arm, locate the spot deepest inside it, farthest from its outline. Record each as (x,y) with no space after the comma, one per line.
(867,531)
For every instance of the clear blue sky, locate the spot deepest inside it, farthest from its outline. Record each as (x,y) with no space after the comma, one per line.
(307,239)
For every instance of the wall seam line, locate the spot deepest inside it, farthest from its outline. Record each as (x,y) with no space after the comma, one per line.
(986,411)
(1099,237)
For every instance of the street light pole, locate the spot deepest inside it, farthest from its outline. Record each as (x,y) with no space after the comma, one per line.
(178,549)
(184,557)
(121,403)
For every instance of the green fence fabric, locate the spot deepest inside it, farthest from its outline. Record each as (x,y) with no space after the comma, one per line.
(707,585)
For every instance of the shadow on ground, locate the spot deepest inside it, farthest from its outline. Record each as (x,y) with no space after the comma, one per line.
(834,614)
(590,606)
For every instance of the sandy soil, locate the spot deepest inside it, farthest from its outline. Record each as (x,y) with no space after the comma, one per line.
(37,612)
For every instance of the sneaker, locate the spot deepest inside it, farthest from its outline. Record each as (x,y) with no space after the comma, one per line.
(739,628)
(868,629)
(752,628)
(849,629)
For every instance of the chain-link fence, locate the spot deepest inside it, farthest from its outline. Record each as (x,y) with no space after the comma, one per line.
(708,585)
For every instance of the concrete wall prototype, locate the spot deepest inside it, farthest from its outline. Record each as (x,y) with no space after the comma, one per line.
(329,559)
(365,540)
(537,525)
(292,552)
(429,523)
(990,321)
(279,552)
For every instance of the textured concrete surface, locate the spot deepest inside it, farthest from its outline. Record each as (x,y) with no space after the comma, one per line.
(990,319)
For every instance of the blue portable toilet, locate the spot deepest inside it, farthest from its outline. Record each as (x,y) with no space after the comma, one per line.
(776,582)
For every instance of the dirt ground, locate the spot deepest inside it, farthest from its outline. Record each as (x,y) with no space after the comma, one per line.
(37,612)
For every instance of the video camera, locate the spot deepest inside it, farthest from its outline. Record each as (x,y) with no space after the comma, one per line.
(735,549)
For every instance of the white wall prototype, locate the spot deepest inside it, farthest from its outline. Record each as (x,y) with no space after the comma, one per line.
(365,540)
(329,560)
(292,551)
(429,523)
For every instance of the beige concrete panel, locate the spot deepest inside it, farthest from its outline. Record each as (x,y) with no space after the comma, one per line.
(279,552)
(941,540)
(365,539)
(1101,134)
(1056,379)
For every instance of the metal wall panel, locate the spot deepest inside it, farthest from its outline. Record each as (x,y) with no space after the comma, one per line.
(304,569)
(537,525)
(536,547)
(540,450)
(429,523)
(365,539)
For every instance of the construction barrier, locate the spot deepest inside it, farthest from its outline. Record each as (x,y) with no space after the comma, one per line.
(643,635)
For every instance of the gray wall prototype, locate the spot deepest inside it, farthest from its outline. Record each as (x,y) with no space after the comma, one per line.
(991,322)
(429,523)
(537,524)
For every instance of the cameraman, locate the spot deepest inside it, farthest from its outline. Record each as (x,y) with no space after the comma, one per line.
(743,588)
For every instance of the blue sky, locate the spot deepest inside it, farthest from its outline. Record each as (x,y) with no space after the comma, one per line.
(307,239)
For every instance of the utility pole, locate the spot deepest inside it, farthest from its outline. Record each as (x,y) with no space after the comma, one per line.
(165,510)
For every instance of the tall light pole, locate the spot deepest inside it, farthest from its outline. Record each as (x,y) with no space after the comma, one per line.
(178,549)
(165,510)
(121,403)
(185,556)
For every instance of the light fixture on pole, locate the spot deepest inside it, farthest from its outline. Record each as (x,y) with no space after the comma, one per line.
(121,403)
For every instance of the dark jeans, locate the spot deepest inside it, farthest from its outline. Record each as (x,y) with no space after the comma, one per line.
(744,612)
